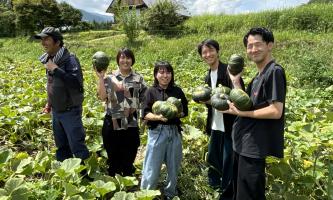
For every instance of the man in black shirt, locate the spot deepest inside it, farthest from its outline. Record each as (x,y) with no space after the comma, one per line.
(258,133)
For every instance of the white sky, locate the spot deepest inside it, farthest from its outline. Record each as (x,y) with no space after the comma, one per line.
(197,7)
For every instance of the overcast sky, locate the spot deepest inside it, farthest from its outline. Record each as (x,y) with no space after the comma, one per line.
(197,7)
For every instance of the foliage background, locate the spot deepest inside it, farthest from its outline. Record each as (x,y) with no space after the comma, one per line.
(27,166)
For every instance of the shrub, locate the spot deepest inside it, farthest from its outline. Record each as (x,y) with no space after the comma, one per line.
(162,17)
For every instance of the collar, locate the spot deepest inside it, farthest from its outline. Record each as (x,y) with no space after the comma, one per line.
(266,67)
(117,73)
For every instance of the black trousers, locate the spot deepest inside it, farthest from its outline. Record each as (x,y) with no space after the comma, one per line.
(249,178)
(121,147)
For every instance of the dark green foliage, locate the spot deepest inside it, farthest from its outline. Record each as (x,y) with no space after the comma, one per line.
(162,18)
(7,22)
(69,15)
(32,16)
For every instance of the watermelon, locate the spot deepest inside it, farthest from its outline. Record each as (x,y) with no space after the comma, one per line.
(220,89)
(177,103)
(220,101)
(201,93)
(235,64)
(100,61)
(167,109)
(240,99)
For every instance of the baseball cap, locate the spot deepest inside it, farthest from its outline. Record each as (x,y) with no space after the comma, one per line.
(49,31)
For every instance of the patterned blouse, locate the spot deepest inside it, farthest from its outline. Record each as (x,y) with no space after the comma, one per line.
(125,95)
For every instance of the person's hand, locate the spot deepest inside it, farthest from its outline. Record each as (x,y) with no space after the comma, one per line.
(50,65)
(47,109)
(235,79)
(161,118)
(100,74)
(232,109)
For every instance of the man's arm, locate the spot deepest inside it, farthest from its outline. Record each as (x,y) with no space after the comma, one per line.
(273,111)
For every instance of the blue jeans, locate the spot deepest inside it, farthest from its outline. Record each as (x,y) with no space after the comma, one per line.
(220,160)
(69,134)
(164,145)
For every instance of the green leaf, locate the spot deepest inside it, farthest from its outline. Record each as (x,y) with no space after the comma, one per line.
(122,195)
(13,183)
(20,193)
(70,189)
(147,194)
(69,167)
(102,188)
(126,181)
(3,192)
(5,156)
(76,197)
(25,167)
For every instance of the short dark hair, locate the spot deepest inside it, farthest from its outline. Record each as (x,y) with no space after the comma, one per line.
(127,52)
(166,66)
(267,35)
(208,43)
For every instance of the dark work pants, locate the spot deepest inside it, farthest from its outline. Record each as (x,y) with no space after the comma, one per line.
(121,147)
(220,160)
(69,134)
(249,178)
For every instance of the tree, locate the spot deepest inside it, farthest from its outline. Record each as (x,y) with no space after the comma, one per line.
(320,1)
(162,17)
(69,15)
(32,15)
(7,22)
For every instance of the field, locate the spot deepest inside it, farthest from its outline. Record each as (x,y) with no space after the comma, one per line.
(28,169)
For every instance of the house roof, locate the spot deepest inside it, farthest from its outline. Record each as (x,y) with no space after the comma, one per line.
(149,3)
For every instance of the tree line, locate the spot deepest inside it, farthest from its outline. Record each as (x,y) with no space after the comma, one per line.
(24,17)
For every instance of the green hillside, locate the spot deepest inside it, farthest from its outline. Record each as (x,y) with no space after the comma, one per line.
(304,47)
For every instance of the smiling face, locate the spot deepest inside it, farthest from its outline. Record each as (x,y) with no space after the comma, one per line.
(163,77)
(258,50)
(125,63)
(210,55)
(50,46)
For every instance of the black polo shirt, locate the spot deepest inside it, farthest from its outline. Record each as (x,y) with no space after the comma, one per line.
(258,138)
(156,93)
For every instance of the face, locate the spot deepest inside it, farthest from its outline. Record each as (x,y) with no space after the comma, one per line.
(125,63)
(209,55)
(258,50)
(163,77)
(49,45)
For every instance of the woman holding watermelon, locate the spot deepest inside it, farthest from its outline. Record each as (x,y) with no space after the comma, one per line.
(164,143)
(123,93)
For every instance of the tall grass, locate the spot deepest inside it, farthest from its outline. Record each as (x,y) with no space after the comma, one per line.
(313,17)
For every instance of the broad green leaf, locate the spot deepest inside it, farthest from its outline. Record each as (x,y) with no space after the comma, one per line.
(4,198)
(5,155)
(69,167)
(21,193)
(122,195)
(76,197)
(102,188)
(194,133)
(3,192)
(25,166)
(13,183)
(126,181)
(70,189)
(147,194)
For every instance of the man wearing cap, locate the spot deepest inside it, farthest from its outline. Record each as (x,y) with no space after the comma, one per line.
(65,95)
